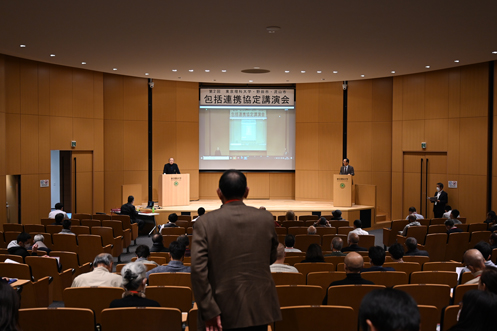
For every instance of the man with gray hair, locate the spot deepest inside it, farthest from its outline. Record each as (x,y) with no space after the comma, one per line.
(311,230)
(101,275)
(279,265)
(412,248)
(38,240)
(336,247)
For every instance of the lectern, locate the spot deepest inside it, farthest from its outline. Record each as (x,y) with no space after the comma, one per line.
(342,190)
(174,190)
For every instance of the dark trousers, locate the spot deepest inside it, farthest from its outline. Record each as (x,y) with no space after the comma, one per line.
(250,328)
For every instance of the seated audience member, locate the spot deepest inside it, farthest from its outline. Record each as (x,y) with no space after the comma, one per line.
(353,265)
(477,309)
(337,215)
(354,244)
(488,280)
(336,247)
(290,216)
(59,218)
(493,228)
(176,253)
(39,241)
(493,240)
(313,254)
(101,275)
(172,222)
(396,252)
(377,258)
(311,230)
(9,307)
(412,222)
(322,223)
(279,265)
(491,217)
(158,244)
(59,209)
(388,310)
(358,229)
(130,210)
(454,215)
(289,243)
(412,248)
(66,227)
(19,246)
(451,228)
(447,209)
(142,253)
(134,279)
(475,262)
(200,212)
(185,242)
(486,251)
(412,211)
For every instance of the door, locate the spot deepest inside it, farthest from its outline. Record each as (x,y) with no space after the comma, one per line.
(422,172)
(82,182)
(13,198)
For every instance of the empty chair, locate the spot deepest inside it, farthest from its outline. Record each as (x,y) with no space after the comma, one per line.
(71,260)
(16,258)
(435,245)
(295,230)
(324,278)
(322,318)
(334,259)
(173,231)
(477,236)
(305,268)
(15,270)
(13,227)
(91,223)
(47,221)
(10,235)
(81,216)
(302,241)
(101,217)
(428,294)
(303,218)
(179,297)
(456,246)
(442,266)
(141,318)
(434,277)
(339,223)
(108,238)
(56,319)
(299,295)
(85,297)
(407,267)
(477,227)
(287,278)
(437,228)
(366,240)
(43,266)
(280,230)
(65,242)
(126,223)
(390,234)
(386,278)
(170,279)
(416,258)
(323,231)
(430,317)
(91,246)
(418,232)
(80,229)
(461,289)
(53,228)
(37,228)
(437,221)
(450,317)
(344,230)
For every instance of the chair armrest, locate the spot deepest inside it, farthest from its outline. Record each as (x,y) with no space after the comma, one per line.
(85,268)
(108,248)
(66,278)
(401,239)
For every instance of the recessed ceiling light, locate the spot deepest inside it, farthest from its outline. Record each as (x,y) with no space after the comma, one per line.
(22,45)
(287,71)
(174,70)
(257,67)
(494,52)
(224,70)
(207,70)
(191,70)
(335,72)
(393,71)
(427,67)
(456,61)
(322,78)
(251,81)
(287,80)
(319,71)
(302,71)
(114,69)
(146,74)
(179,77)
(214,80)
(362,75)
(83,62)
(52,55)
(273,29)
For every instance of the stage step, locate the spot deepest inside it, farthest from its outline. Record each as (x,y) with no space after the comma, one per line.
(381,218)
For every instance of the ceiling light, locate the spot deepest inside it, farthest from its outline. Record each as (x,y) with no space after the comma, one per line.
(287,71)
(287,80)
(302,71)
(456,61)
(257,67)
(22,45)
(146,74)
(52,55)
(393,71)
(83,62)
(251,81)
(114,69)
(362,75)
(179,77)
(427,67)
(335,72)
(319,71)
(494,52)
(207,70)
(214,80)
(273,29)
(174,70)
(322,78)
(224,70)
(191,70)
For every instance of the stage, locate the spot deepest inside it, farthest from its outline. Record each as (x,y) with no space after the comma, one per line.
(276,207)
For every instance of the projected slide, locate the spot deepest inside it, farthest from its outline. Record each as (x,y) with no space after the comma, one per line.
(248,130)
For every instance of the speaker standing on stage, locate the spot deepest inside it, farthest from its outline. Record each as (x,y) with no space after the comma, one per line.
(346,169)
(171,167)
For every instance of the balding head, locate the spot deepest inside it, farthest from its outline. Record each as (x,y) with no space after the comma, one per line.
(353,263)
(474,260)
(280,254)
(311,230)
(353,238)
(336,244)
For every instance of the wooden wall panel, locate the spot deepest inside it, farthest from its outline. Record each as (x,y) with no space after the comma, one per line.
(307,103)
(325,184)
(135,143)
(162,150)
(12,85)
(359,145)
(454,92)
(61,88)
(306,185)
(29,87)
(98,192)
(381,150)
(61,131)
(437,94)
(98,144)
(137,177)
(83,91)
(208,184)
(44,199)
(330,108)
(98,96)
(474,90)
(437,133)
(44,89)
(187,142)
(360,101)
(3,188)
(306,149)
(164,101)
(413,97)
(113,145)
(282,186)
(382,99)
(113,180)
(135,105)
(473,146)
(258,184)
(187,102)
(13,147)
(413,133)
(83,132)
(397,98)
(113,97)
(29,144)
(44,144)
(30,187)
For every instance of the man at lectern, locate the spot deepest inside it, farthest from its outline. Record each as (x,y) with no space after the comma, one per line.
(171,168)
(346,169)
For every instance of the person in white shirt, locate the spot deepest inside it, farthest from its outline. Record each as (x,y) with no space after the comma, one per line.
(289,243)
(200,212)
(59,209)
(101,275)
(279,265)
(412,211)
(357,229)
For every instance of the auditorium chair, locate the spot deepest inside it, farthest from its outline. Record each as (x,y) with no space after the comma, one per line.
(47,221)
(334,259)
(328,238)
(101,217)
(288,224)
(4,251)
(287,278)
(477,236)
(299,295)
(168,239)
(189,230)
(366,240)
(81,216)
(16,258)
(418,232)
(173,231)
(141,318)
(170,279)
(56,319)
(460,290)
(120,266)
(75,221)
(434,277)
(117,229)
(192,319)
(185,224)
(43,266)
(52,229)
(108,238)
(91,223)
(308,223)
(90,246)
(416,258)
(390,234)
(126,224)
(65,242)
(442,266)
(424,221)
(463,227)
(466,277)
(179,297)
(302,241)
(305,268)
(279,230)
(430,317)
(10,235)
(80,229)
(450,314)
(13,227)
(478,227)
(407,267)
(96,298)
(341,266)
(281,238)
(303,218)
(70,260)
(344,230)
(160,260)
(339,223)
(322,318)
(428,294)
(494,255)
(437,228)
(185,218)
(386,278)
(37,228)
(161,254)
(296,230)
(437,221)
(435,245)
(456,246)
(324,231)
(324,279)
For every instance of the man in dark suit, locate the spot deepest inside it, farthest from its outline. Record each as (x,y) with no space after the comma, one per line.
(451,228)
(130,210)
(158,244)
(412,248)
(171,167)
(377,258)
(354,244)
(346,169)
(231,281)
(441,201)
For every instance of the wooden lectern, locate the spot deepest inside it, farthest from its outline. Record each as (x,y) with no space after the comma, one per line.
(174,190)
(342,190)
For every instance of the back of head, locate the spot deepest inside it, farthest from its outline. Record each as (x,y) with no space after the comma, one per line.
(488,280)
(290,215)
(201,211)
(449,223)
(177,250)
(66,224)
(280,252)
(59,218)
(311,230)
(58,206)
(337,244)
(183,240)
(473,258)
(172,218)
(142,251)
(411,243)
(337,214)
(491,215)
(485,249)
(357,224)
(39,237)
(454,213)
(289,240)
(353,238)
(131,199)
(23,237)
(493,238)
(389,310)
(412,209)
(354,262)
(447,208)
(322,221)
(133,275)
(233,184)
(9,307)
(477,309)
(313,252)
(103,259)
(377,255)
(411,218)
(397,251)
(157,238)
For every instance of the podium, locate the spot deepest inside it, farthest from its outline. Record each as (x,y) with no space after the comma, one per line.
(342,190)
(174,190)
